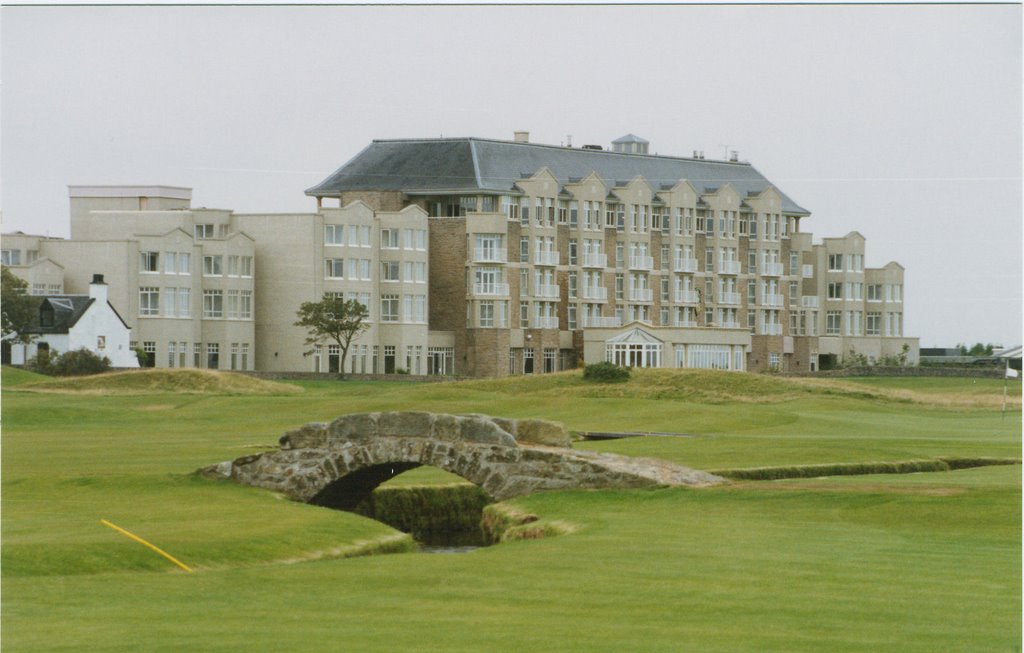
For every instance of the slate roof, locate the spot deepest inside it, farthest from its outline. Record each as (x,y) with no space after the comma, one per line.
(463,165)
(67,310)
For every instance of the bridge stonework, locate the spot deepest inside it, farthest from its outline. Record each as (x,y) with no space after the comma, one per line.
(340,463)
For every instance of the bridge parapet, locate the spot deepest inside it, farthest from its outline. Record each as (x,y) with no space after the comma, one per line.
(338,464)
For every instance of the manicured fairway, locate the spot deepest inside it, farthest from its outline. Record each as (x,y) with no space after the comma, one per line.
(921,562)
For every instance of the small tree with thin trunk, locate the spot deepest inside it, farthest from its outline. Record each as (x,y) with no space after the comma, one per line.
(17,307)
(332,319)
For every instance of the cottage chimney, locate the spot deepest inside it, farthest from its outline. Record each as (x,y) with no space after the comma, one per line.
(98,289)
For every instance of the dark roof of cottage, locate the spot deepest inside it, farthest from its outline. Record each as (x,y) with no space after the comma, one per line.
(463,165)
(66,309)
(630,138)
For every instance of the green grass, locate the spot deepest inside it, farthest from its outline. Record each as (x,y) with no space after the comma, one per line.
(908,562)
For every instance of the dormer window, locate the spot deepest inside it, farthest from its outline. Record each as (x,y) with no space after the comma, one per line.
(46,315)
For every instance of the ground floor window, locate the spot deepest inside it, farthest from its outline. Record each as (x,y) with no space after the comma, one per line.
(149,346)
(549,359)
(628,354)
(527,361)
(389,359)
(213,355)
(440,361)
(708,357)
(333,358)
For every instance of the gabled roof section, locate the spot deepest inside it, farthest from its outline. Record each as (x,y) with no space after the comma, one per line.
(631,138)
(455,165)
(636,335)
(58,313)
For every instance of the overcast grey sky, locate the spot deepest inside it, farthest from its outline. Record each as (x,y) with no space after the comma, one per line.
(900,122)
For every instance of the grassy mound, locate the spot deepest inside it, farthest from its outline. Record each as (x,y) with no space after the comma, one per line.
(185,381)
(720,387)
(14,376)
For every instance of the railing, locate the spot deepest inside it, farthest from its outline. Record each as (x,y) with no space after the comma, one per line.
(595,260)
(545,290)
(489,255)
(730,324)
(500,289)
(809,301)
(772,329)
(683,323)
(774,300)
(589,322)
(641,294)
(771,269)
(687,297)
(686,265)
(546,258)
(545,323)
(641,262)
(731,298)
(728,267)
(595,293)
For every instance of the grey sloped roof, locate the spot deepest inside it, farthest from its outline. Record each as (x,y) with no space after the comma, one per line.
(472,164)
(631,138)
(67,310)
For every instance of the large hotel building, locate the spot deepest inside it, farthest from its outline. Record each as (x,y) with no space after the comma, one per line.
(481,257)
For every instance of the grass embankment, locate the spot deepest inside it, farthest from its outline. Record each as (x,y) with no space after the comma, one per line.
(153,381)
(918,562)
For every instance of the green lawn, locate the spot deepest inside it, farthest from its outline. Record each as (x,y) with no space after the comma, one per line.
(920,562)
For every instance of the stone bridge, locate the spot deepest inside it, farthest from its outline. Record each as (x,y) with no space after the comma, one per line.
(340,463)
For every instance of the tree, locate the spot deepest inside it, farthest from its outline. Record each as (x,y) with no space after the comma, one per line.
(18,307)
(332,319)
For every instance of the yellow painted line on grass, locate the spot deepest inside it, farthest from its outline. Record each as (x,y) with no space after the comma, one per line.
(147,544)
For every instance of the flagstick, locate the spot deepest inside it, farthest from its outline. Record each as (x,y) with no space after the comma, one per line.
(1006,375)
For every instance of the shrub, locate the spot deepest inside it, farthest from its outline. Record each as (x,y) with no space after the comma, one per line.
(605,373)
(72,363)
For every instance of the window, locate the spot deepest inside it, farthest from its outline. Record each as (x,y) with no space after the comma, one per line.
(149,261)
(149,301)
(794,264)
(170,263)
(213,303)
(833,323)
(524,249)
(573,251)
(11,256)
(573,284)
(416,239)
(213,265)
(574,213)
(246,266)
(773,360)
(334,268)
(184,302)
(389,271)
(620,255)
(334,234)
(416,308)
(359,268)
(170,301)
(874,292)
(620,285)
(487,313)
(389,308)
(389,238)
(212,355)
(835,262)
(874,324)
(203,231)
(835,290)
(232,304)
(524,315)
(416,271)
(184,263)
(751,292)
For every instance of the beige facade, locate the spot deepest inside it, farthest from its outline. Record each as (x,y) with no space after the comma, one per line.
(522,260)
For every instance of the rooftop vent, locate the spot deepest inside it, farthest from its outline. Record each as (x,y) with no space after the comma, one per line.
(521,137)
(592,147)
(734,156)
(698,154)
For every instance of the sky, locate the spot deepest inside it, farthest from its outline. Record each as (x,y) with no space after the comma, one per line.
(901,122)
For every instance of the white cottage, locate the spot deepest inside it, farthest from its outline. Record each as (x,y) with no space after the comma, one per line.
(72,322)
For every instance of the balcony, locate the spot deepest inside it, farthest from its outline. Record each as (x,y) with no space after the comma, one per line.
(489,255)
(772,329)
(809,301)
(595,293)
(685,265)
(545,290)
(641,263)
(774,300)
(546,258)
(641,294)
(683,323)
(544,323)
(771,269)
(687,297)
(595,260)
(492,289)
(730,324)
(591,322)
(728,267)
(730,298)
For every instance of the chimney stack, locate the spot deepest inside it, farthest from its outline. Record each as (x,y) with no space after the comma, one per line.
(521,137)
(98,288)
